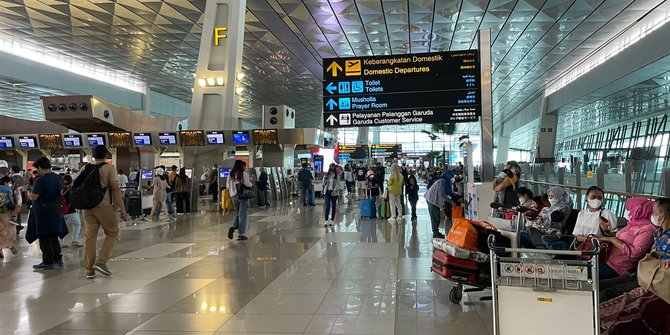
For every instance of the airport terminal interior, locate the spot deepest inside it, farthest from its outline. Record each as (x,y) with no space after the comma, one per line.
(367,167)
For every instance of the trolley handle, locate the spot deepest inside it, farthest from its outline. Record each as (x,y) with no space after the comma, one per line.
(520,209)
(594,242)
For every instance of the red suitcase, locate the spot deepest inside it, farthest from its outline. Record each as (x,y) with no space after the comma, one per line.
(451,267)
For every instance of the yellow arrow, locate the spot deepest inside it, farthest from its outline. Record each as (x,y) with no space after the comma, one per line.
(334,67)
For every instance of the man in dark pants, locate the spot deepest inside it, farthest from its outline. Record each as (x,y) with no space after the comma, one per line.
(306,188)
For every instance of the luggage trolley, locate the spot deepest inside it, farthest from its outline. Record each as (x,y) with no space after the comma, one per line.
(531,294)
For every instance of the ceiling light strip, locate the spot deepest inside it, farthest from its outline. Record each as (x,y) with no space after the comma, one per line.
(70,64)
(654,20)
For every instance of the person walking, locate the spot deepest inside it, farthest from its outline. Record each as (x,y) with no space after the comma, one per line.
(238,177)
(183,189)
(7,230)
(412,191)
(395,185)
(70,213)
(359,173)
(48,221)
(349,180)
(331,185)
(159,184)
(101,215)
(306,187)
(263,187)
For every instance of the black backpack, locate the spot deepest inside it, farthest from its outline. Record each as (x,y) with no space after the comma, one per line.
(87,191)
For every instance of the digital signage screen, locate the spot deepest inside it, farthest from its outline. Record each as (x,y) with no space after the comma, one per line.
(224,172)
(72,141)
(265,136)
(214,137)
(191,138)
(241,137)
(95,140)
(142,139)
(6,142)
(50,141)
(147,174)
(27,142)
(168,138)
(120,140)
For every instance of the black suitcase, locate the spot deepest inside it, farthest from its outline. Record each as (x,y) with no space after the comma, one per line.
(134,203)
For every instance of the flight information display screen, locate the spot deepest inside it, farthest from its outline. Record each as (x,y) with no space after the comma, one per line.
(265,136)
(191,138)
(168,138)
(142,139)
(6,142)
(72,141)
(95,140)
(224,172)
(214,137)
(241,137)
(27,142)
(147,174)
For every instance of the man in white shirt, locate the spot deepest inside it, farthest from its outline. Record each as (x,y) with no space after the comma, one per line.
(122,178)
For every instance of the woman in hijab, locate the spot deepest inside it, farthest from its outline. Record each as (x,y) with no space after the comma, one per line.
(552,219)
(632,242)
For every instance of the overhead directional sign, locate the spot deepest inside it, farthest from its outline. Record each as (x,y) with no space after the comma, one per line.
(348,152)
(385,150)
(403,89)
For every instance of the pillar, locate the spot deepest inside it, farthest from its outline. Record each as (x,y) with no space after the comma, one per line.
(484,44)
(215,105)
(546,136)
(363,135)
(502,152)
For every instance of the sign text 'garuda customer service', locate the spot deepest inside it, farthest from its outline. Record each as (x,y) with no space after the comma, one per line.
(402,89)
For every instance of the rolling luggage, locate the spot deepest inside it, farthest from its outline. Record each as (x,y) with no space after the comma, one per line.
(384,209)
(367,208)
(451,267)
(134,203)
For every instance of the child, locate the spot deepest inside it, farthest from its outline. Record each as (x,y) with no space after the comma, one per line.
(500,195)
(412,191)
(7,229)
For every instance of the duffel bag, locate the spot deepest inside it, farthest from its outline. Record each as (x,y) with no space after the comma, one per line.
(463,234)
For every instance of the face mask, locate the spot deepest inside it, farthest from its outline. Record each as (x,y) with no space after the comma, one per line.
(626,215)
(655,220)
(553,202)
(595,203)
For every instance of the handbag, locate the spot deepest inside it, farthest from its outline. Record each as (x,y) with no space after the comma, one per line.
(243,192)
(605,249)
(652,278)
(226,202)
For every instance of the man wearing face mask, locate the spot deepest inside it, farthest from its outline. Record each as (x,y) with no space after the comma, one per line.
(594,220)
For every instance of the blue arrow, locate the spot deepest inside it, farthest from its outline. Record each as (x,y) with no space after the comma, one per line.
(330,88)
(330,104)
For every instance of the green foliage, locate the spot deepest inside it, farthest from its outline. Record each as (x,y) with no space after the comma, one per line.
(444,128)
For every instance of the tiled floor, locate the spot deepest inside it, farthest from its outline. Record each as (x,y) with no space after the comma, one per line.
(292,276)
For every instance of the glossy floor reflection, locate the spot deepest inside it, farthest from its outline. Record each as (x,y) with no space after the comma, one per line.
(292,276)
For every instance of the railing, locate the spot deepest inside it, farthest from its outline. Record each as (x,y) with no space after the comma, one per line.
(615,200)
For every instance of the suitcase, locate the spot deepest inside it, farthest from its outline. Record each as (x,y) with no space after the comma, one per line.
(384,209)
(367,208)
(134,203)
(451,267)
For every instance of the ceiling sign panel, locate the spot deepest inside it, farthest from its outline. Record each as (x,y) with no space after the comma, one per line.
(403,89)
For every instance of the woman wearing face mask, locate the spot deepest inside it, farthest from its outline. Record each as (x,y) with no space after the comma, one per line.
(594,220)
(627,308)
(553,218)
(632,242)
(331,186)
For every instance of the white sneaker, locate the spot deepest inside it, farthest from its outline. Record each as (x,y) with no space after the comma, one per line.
(400,219)
(392,220)
(327,223)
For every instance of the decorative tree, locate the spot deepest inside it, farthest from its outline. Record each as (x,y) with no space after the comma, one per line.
(447,129)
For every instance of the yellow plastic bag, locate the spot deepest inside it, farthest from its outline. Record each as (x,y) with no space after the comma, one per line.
(226,202)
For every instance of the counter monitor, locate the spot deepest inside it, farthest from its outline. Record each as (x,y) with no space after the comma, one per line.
(191,138)
(72,141)
(142,139)
(241,137)
(120,140)
(224,172)
(95,140)
(6,142)
(214,137)
(50,141)
(147,174)
(27,142)
(168,138)
(265,136)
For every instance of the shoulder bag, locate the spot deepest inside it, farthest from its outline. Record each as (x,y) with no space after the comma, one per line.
(244,192)
(652,278)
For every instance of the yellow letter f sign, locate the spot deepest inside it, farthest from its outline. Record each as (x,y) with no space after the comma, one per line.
(219,35)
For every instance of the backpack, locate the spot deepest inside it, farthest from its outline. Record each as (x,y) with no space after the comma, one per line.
(87,191)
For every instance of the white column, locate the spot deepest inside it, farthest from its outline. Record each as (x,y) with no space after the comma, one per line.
(215,104)
(546,136)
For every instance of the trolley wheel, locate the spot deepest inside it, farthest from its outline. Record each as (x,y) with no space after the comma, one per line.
(456,294)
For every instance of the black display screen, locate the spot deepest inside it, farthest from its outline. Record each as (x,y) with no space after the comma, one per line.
(241,137)
(214,137)
(72,141)
(6,142)
(27,142)
(142,139)
(168,138)
(95,140)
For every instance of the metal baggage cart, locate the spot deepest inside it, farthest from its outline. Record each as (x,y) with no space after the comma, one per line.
(545,296)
